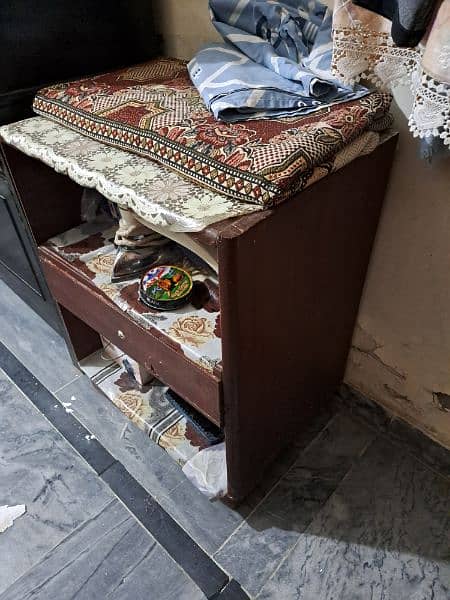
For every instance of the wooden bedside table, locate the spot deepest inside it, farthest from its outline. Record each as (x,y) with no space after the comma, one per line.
(290,282)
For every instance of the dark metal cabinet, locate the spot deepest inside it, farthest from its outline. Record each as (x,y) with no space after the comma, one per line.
(43,41)
(19,265)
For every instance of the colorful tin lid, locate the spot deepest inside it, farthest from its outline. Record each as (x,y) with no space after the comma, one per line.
(165,287)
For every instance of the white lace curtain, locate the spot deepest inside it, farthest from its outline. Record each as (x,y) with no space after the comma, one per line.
(363,49)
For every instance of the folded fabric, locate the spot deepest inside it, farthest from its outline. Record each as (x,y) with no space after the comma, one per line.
(410,18)
(275,61)
(154,110)
(160,198)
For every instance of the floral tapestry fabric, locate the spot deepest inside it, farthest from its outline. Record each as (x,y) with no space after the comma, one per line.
(158,196)
(154,110)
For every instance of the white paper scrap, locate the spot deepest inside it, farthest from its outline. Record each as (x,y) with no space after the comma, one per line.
(8,514)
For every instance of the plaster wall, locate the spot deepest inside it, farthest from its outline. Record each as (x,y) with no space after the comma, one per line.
(400,355)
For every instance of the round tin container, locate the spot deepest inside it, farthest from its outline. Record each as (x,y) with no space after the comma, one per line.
(165,287)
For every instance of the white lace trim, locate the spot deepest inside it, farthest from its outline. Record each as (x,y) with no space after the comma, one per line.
(157,196)
(362,54)
(359,53)
(431,111)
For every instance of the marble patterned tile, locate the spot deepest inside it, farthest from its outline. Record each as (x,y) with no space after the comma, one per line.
(421,446)
(34,342)
(108,556)
(59,416)
(40,469)
(232,591)
(256,549)
(416,442)
(383,535)
(318,471)
(364,408)
(145,460)
(182,548)
(209,523)
(288,456)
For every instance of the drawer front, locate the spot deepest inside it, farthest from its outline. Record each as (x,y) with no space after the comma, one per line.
(157,353)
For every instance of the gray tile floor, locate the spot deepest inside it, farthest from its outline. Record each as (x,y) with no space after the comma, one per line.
(349,514)
(75,540)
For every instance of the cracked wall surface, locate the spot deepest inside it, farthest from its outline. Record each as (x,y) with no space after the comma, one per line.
(401,348)
(400,354)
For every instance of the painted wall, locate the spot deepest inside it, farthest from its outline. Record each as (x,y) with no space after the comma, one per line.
(185,26)
(400,355)
(401,347)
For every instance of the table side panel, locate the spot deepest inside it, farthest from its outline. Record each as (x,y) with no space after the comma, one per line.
(290,288)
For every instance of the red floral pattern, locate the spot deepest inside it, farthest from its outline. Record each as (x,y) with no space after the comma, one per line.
(221,135)
(163,117)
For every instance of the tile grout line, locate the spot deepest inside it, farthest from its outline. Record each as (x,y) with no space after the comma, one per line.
(157,497)
(9,378)
(291,550)
(168,519)
(119,499)
(276,484)
(15,355)
(22,393)
(405,447)
(116,497)
(54,392)
(347,474)
(386,433)
(165,514)
(80,419)
(68,535)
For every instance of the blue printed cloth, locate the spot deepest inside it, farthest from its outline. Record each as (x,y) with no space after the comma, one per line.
(274,62)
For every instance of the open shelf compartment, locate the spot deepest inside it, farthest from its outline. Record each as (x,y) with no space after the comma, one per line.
(176,346)
(146,406)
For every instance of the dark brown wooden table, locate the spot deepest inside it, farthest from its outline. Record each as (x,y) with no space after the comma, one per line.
(290,283)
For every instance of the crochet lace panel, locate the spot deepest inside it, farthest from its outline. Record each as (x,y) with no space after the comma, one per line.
(362,54)
(431,111)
